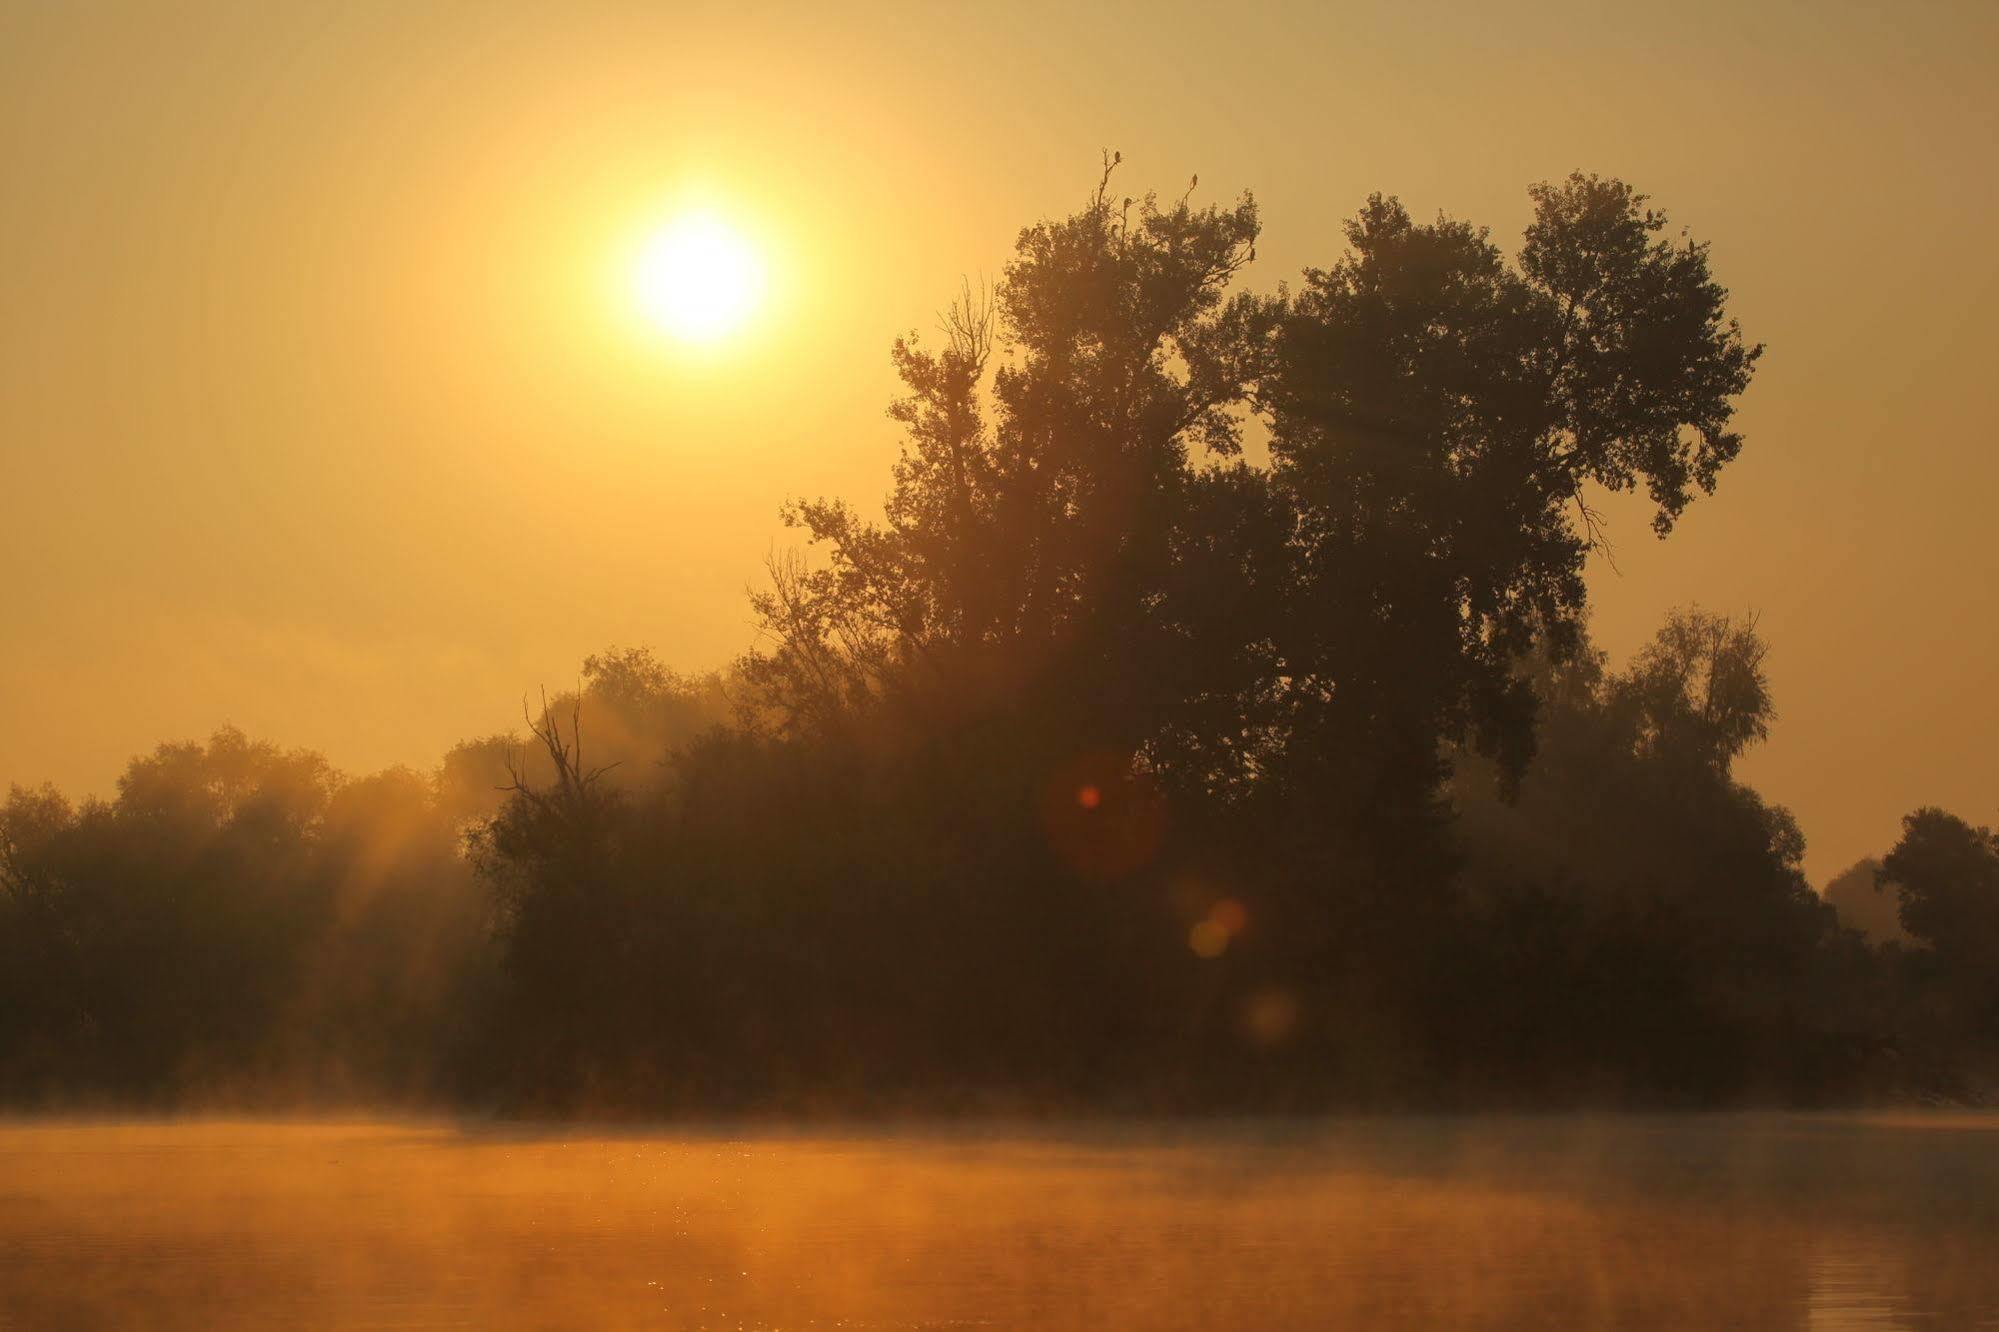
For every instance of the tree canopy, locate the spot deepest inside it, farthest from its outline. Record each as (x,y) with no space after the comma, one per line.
(1207,718)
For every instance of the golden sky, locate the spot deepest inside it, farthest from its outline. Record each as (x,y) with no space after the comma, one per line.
(324,411)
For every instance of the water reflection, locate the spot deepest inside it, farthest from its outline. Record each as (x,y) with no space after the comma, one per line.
(1856,1285)
(1810,1222)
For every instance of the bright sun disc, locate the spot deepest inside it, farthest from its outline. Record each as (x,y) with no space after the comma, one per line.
(698,279)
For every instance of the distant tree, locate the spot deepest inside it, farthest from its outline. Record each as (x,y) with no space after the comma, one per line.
(1946,872)
(241,922)
(1647,915)
(1700,689)
(1866,904)
(388,982)
(563,919)
(643,711)
(29,820)
(40,1019)
(640,712)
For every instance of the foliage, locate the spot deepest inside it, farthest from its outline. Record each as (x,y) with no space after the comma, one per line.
(1112,764)
(1646,910)
(239,920)
(1945,872)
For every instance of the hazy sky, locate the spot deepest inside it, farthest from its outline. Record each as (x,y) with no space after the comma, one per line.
(323,410)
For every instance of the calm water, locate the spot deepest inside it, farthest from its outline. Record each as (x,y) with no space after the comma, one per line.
(1809,1222)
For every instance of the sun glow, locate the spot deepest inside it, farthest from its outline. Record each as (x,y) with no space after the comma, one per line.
(698,279)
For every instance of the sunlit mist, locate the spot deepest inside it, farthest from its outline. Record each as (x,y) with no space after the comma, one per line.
(698,279)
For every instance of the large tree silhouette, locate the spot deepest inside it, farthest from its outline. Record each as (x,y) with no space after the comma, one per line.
(1439,417)
(1043,524)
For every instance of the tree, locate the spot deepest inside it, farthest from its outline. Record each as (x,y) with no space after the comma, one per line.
(641,712)
(1438,417)
(1946,873)
(240,922)
(1285,652)
(1030,543)
(1866,904)
(1637,919)
(1699,688)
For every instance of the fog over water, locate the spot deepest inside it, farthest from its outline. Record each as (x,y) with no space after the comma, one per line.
(1767,1221)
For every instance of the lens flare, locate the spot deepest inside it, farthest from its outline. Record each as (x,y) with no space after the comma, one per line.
(1208,939)
(1269,1017)
(1229,914)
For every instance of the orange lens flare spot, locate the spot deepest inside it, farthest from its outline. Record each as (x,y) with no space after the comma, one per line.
(1103,818)
(1208,939)
(1229,914)
(1269,1017)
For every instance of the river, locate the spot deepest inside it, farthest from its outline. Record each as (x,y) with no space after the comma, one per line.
(1683,1222)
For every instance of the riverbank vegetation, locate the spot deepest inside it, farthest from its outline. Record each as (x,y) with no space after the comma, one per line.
(1207,721)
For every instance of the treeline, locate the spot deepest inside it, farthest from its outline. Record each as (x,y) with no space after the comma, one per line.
(244,925)
(1208,722)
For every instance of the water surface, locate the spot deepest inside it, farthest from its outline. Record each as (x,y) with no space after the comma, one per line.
(1791,1221)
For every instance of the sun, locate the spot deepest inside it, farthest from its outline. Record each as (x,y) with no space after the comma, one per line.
(698,278)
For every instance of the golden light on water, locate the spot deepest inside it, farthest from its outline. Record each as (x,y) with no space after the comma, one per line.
(698,279)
